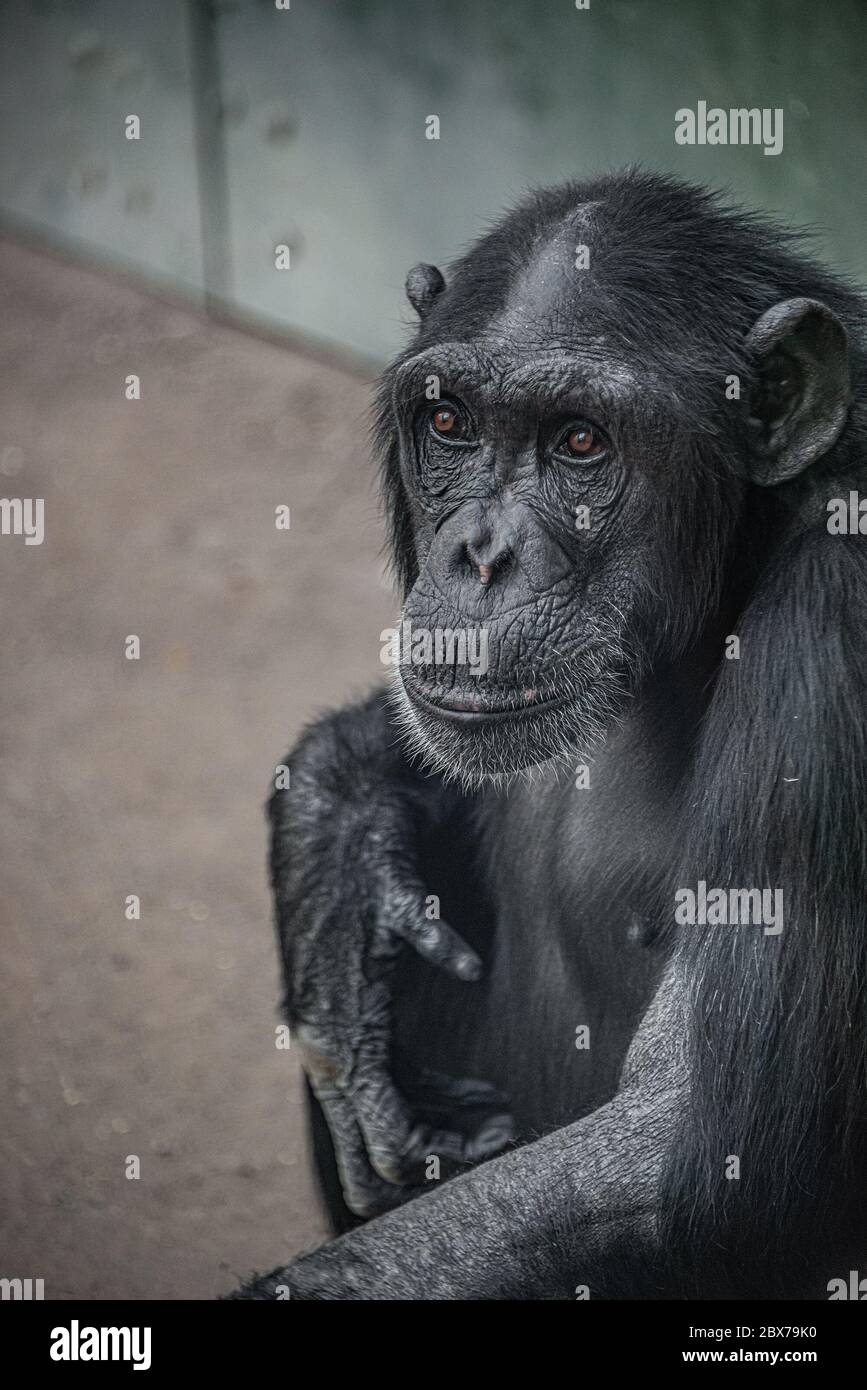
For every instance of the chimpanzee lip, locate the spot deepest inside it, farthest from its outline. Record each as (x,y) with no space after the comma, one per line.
(483,707)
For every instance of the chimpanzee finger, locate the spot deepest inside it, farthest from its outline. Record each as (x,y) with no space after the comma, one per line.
(364,1191)
(436,1091)
(404,907)
(493,1134)
(400,1143)
(451,1149)
(439,944)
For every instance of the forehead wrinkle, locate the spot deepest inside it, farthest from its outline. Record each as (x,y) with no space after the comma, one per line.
(574,369)
(512,376)
(567,381)
(453,363)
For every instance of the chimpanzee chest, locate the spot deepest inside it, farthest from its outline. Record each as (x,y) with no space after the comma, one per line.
(571,971)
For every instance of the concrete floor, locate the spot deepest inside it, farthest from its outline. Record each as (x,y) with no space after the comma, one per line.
(156,1038)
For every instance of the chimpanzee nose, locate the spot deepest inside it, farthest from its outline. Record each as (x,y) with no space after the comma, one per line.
(490,550)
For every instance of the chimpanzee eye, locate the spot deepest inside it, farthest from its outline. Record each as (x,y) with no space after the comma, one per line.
(448,421)
(582,440)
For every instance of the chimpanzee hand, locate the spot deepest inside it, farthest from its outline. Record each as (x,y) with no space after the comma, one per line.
(346,836)
(577,1207)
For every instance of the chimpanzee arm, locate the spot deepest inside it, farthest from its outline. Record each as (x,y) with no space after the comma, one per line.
(574,1209)
(345,847)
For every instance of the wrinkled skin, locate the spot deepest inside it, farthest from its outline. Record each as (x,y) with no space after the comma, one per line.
(557,390)
(360,871)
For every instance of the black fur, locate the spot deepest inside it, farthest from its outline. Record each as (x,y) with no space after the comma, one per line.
(777,1033)
(742,773)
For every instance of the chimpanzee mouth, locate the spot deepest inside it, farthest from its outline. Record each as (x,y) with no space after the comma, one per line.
(486,706)
(488,733)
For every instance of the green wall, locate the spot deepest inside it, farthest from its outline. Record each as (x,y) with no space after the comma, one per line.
(307,127)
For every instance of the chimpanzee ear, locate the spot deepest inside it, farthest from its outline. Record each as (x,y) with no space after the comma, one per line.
(423,284)
(801,398)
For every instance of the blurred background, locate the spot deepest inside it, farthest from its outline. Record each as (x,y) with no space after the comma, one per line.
(304,128)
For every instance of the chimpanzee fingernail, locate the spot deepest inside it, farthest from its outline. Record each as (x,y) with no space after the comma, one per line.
(468,967)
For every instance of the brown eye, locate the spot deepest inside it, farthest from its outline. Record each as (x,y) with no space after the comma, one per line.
(448,421)
(583,442)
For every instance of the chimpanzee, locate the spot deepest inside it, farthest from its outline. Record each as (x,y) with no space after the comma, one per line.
(610,450)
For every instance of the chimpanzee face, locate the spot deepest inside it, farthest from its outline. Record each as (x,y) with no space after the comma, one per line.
(572,503)
(533,489)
